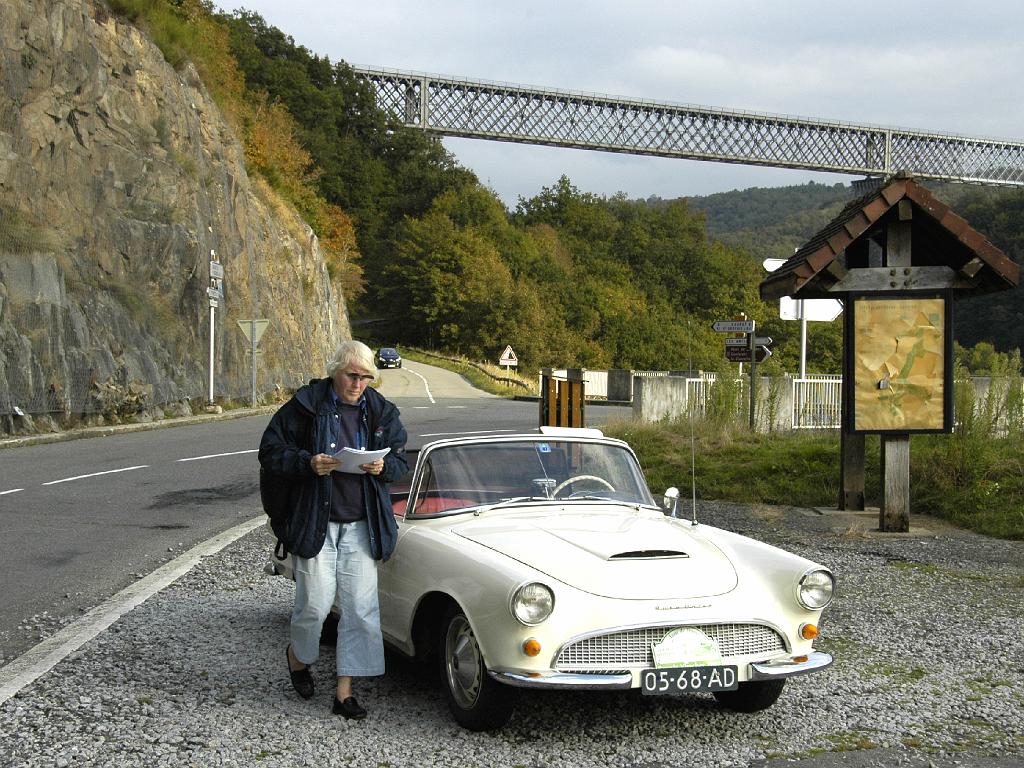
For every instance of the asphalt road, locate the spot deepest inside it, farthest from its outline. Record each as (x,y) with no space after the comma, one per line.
(82,519)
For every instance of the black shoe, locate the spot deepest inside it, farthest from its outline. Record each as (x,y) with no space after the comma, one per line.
(302,681)
(349,708)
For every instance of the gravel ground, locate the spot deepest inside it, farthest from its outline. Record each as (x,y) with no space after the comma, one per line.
(926,631)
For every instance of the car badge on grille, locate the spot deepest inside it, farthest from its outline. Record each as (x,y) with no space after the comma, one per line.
(685,646)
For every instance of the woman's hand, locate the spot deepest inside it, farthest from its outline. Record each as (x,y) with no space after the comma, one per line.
(374,467)
(324,464)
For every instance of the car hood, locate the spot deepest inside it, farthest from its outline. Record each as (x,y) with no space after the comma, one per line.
(617,552)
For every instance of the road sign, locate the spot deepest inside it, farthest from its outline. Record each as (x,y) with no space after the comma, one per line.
(739,341)
(763,341)
(216,270)
(733,326)
(253,328)
(742,354)
(508,358)
(824,310)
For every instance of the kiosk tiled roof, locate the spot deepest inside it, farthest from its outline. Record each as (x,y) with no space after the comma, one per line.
(940,237)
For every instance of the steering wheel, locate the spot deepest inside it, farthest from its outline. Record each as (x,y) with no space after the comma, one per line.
(576,478)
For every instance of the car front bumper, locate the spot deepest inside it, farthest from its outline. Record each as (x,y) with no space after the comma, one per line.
(766,670)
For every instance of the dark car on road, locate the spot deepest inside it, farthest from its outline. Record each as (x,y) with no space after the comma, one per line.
(388,357)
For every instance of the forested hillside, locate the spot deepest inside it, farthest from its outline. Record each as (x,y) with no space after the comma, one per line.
(568,278)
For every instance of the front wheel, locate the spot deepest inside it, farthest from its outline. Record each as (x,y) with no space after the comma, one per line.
(752,696)
(477,702)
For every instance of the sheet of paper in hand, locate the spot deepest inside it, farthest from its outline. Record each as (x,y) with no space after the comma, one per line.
(352,458)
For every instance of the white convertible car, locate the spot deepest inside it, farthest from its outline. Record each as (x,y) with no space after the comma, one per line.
(542,561)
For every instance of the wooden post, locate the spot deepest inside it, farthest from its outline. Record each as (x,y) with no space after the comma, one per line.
(548,399)
(571,399)
(851,473)
(851,445)
(894,514)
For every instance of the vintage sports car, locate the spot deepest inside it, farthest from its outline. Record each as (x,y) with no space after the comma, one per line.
(542,561)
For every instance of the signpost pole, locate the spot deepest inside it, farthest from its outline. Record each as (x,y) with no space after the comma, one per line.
(212,310)
(215,293)
(753,379)
(252,335)
(803,338)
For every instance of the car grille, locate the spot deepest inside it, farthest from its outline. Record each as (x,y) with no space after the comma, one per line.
(633,647)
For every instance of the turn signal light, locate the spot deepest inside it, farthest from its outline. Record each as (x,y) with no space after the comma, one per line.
(799,659)
(531,646)
(808,631)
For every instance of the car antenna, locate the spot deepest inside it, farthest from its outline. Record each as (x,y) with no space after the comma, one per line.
(693,449)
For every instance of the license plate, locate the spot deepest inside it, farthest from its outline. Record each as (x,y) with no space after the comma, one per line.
(674,680)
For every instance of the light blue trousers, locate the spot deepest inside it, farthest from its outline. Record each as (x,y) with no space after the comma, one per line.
(344,569)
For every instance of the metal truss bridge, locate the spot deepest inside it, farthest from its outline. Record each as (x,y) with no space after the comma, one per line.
(503,112)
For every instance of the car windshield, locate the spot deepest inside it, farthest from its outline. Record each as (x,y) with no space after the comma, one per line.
(469,475)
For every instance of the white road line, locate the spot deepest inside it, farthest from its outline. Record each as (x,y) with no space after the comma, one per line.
(218,455)
(426,386)
(13,490)
(477,432)
(37,661)
(96,474)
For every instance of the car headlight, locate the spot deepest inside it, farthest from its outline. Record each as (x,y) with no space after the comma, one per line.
(532,603)
(815,589)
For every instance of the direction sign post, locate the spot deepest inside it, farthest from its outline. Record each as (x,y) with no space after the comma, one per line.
(733,326)
(736,354)
(747,349)
(214,292)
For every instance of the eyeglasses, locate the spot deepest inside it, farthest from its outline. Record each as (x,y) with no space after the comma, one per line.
(358,377)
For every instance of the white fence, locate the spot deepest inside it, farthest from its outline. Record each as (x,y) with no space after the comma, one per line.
(817,402)
(811,402)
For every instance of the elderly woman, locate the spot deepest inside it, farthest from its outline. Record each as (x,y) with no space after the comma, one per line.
(340,523)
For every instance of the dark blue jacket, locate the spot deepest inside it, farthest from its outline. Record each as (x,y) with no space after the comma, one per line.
(298,431)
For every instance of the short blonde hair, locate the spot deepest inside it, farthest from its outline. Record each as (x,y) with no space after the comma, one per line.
(352,351)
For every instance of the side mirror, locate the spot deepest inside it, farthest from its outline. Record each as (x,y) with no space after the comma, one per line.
(671,501)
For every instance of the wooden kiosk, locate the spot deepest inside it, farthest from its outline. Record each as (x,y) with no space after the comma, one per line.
(896,257)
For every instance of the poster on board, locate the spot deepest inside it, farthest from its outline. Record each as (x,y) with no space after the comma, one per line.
(900,364)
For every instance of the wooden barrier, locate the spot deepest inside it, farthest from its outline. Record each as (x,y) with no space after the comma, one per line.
(562,401)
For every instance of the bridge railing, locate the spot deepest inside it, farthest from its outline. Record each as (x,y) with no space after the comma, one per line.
(453,106)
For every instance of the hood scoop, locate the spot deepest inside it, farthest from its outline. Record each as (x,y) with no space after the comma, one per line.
(648,554)
(609,551)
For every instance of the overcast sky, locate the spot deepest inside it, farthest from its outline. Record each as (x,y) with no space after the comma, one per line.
(943,66)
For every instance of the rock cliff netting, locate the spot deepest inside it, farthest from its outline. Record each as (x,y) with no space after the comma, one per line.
(118,178)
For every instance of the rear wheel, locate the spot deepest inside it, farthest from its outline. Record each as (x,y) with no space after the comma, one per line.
(752,696)
(477,702)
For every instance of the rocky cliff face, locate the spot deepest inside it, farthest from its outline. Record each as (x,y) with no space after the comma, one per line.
(118,180)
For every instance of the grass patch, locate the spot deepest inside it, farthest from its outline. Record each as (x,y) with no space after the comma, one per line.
(166,24)
(979,486)
(20,234)
(489,378)
(851,742)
